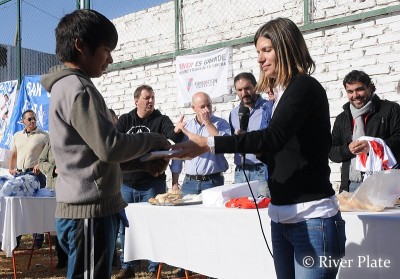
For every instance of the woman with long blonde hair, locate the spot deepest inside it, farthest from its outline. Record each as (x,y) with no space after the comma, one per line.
(308,232)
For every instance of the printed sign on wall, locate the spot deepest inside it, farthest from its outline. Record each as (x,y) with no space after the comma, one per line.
(205,72)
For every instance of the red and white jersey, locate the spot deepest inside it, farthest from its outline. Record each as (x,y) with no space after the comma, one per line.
(380,157)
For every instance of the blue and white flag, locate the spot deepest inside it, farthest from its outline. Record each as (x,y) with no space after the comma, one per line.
(31,96)
(8,93)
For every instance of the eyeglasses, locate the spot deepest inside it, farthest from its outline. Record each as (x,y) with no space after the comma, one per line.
(31,119)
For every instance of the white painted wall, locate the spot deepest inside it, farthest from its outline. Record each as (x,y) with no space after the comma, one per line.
(368,45)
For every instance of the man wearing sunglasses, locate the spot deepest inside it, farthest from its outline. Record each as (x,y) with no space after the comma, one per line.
(26,147)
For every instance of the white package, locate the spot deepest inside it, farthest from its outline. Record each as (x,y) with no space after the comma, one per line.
(218,196)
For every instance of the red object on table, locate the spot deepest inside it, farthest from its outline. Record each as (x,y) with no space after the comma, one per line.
(248,203)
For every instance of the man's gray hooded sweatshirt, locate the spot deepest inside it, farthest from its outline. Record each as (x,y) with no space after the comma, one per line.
(87,148)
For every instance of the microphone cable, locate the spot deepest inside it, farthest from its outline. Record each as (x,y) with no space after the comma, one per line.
(255,202)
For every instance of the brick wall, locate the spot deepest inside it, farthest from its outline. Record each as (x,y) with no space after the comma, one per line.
(369,45)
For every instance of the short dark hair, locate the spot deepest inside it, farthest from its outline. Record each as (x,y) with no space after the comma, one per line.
(25,112)
(90,27)
(138,90)
(247,76)
(360,76)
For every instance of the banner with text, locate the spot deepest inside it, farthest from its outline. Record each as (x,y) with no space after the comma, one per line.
(31,96)
(8,93)
(206,72)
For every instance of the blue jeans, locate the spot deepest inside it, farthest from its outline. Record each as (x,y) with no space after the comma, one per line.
(308,249)
(353,186)
(89,244)
(256,172)
(191,186)
(131,195)
(42,181)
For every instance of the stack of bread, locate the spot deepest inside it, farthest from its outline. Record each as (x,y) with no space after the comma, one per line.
(347,202)
(170,198)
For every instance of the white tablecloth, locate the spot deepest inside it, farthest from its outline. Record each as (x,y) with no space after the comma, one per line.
(227,243)
(2,215)
(372,246)
(23,215)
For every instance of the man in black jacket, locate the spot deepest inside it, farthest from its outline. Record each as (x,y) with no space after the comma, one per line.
(140,186)
(364,115)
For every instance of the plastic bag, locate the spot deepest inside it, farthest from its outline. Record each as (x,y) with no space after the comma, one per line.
(380,190)
(19,186)
(248,203)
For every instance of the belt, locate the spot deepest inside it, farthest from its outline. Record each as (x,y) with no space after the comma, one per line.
(250,167)
(25,170)
(205,177)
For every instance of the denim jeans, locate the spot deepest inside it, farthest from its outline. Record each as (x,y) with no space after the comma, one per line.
(42,180)
(308,249)
(77,237)
(256,172)
(191,186)
(353,186)
(131,195)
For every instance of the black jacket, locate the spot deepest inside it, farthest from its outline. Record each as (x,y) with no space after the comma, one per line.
(295,144)
(383,122)
(131,123)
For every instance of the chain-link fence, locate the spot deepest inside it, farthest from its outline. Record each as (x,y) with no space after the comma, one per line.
(36,21)
(29,24)
(159,29)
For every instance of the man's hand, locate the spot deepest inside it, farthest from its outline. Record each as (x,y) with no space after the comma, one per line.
(13,172)
(180,124)
(36,170)
(205,115)
(175,181)
(358,147)
(240,132)
(175,186)
(156,167)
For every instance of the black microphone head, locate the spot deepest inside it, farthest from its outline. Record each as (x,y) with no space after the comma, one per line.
(244,116)
(244,109)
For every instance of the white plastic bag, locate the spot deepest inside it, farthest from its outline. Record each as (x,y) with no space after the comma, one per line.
(380,190)
(19,186)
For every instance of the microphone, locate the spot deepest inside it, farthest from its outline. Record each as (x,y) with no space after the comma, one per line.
(244,116)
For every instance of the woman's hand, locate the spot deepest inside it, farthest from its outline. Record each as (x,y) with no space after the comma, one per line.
(195,146)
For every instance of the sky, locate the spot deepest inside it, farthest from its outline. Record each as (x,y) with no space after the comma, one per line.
(40,18)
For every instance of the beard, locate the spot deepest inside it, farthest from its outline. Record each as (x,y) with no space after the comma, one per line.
(249,99)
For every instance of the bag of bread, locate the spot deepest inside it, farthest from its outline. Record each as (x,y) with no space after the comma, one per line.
(380,190)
